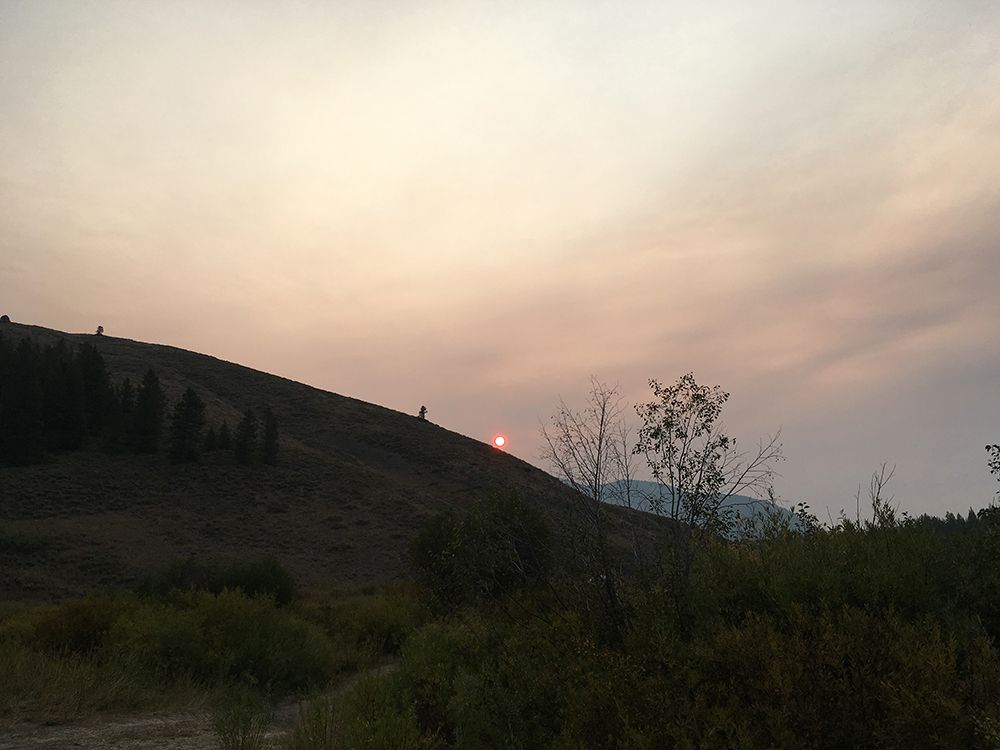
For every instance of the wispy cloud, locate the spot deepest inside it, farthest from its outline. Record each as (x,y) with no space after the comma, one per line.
(476,207)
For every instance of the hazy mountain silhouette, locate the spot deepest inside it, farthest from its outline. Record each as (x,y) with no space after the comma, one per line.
(643,497)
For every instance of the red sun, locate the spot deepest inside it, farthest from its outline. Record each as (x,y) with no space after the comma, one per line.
(499,441)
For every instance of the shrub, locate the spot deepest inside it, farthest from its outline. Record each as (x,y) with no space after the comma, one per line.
(241,721)
(79,627)
(374,623)
(485,553)
(226,638)
(43,687)
(434,659)
(262,577)
(371,715)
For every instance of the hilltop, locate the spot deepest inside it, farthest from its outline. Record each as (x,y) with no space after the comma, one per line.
(354,484)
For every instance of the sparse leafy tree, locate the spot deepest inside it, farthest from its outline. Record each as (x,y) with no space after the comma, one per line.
(422,414)
(698,468)
(993,460)
(883,511)
(270,443)
(99,331)
(589,451)
(186,427)
(245,443)
(147,420)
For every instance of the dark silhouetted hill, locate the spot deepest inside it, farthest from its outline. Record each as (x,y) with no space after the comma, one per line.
(353,485)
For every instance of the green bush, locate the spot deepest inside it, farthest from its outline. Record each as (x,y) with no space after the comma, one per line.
(489,551)
(78,627)
(369,716)
(264,576)
(433,660)
(190,636)
(226,638)
(241,721)
(43,687)
(373,623)
(875,636)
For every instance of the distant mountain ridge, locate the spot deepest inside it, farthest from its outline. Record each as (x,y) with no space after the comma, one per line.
(744,507)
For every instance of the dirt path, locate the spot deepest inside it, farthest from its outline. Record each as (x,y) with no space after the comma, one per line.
(178,730)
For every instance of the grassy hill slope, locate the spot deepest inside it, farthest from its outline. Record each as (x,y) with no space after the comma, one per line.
(354,483)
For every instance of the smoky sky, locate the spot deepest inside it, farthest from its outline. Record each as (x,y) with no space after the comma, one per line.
(477,206)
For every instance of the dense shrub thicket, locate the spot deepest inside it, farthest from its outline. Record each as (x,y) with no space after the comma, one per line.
(210,639)
(260,577)
(484,552)
(867,635)
(235,634)
(55,398)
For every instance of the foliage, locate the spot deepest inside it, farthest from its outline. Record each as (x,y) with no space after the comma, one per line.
(371,623)
(589,450)
(186,426)
(44,687)
(78,627)
(260,577)
(875,634)
(370,716)
(196,637)
(698,465)
(492,549)
(50,398)
(241,720)
(246,439)
(147,420)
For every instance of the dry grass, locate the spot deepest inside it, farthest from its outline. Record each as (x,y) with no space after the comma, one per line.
(38,687)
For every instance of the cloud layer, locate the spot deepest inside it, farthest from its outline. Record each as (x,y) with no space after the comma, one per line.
(476,207)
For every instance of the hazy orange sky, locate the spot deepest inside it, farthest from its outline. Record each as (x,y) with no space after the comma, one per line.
(476,206)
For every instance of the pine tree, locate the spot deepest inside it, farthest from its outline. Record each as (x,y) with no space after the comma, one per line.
(246,438)
(147,418)
(270,446)
(72,423)
(211,440)
(22,436)
(97,389)
(118,425)
(126,397)
(63,399)
(185,428)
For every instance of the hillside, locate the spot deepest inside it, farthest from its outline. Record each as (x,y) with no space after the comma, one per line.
(354,483)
